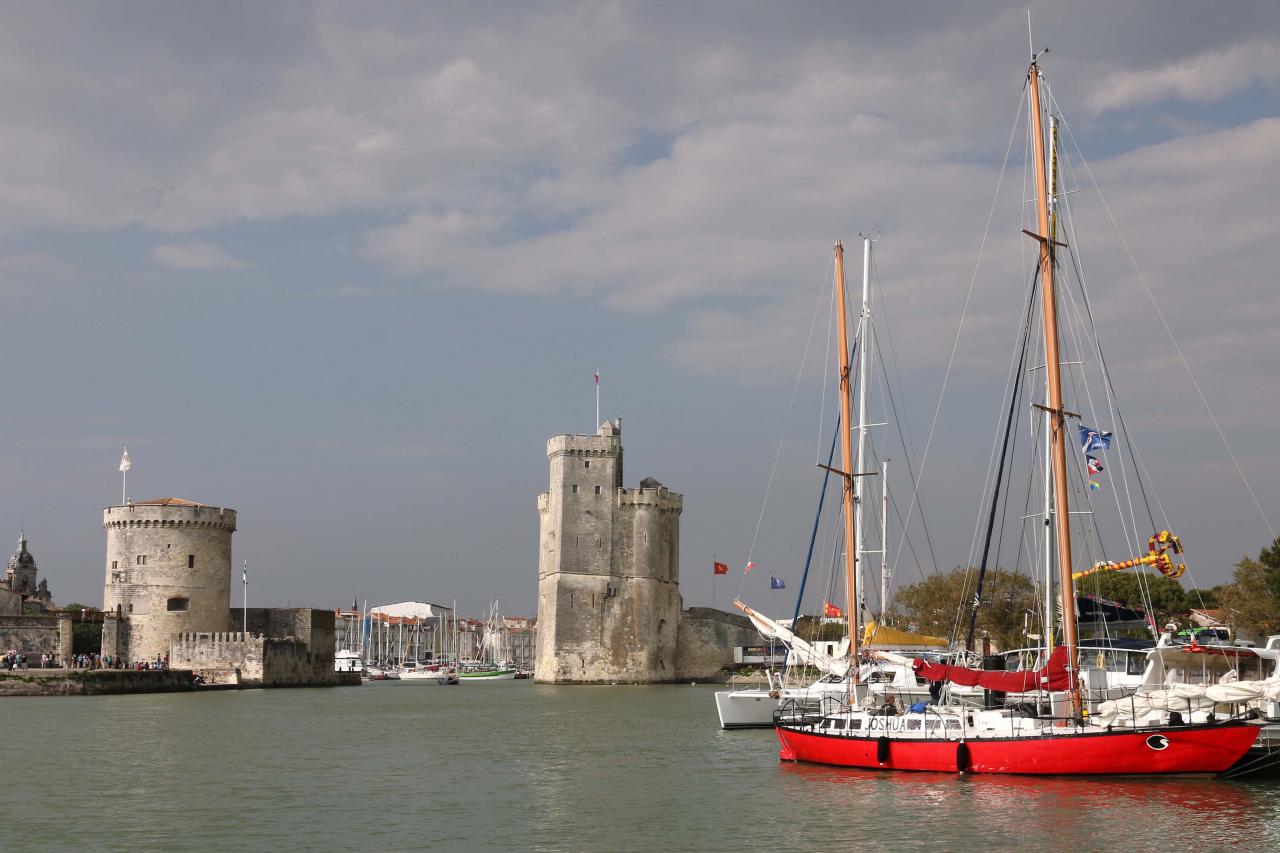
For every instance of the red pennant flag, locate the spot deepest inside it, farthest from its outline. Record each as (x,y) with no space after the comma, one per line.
(831,611)
(750,566)
(721,568)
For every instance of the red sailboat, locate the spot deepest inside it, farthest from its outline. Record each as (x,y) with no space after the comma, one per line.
(960,738)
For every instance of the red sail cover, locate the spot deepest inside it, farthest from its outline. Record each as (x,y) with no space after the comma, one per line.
(1052,676)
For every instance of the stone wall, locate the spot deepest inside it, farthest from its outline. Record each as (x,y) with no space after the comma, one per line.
(83,682)
(250,658)
(315,627)
(10,602)
(706,642)
(32,636)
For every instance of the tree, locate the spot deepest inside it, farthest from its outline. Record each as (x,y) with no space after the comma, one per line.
(933,605)
(1252,599)
(86,637)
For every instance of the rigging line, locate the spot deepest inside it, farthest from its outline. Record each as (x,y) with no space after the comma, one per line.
(906,453)
(1113,405)
(817,518)
(786,422)
(831,319)
(1169,332)
(1000,468)
(1017,116)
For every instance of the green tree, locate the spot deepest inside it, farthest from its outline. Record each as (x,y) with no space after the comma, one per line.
(86,637)
(933,605)
(1252,599)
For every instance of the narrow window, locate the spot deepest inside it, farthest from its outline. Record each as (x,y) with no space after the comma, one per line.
(115,564)
(587,464)
(191,561)
(597,490)
(142,559)
(575,488)
(178,604)
(130,607)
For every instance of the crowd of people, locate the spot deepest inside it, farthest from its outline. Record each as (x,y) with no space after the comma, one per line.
(13,659)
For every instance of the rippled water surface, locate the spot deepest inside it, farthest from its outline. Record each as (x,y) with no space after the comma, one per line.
(512,765)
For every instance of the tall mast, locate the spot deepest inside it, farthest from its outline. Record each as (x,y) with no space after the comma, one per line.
(864,360)
(884,539)
(1053,364)
(846,456)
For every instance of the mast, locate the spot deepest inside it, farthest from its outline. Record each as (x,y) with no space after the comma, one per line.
(1053,363)
(884,539)
(864,359)
(846,456)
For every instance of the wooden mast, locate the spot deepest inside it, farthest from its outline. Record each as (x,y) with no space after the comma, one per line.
(1057,416)
(846,454)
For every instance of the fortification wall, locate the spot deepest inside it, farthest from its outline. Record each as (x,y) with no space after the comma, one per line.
(31,636)
(168,569)
(706,642)
(252,660)
(315,627)
(10,602)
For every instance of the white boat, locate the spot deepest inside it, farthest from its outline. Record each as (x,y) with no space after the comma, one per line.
(429,674)
(346,660)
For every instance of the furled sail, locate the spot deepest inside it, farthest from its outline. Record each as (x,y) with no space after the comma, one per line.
(1052,676)
(802,652)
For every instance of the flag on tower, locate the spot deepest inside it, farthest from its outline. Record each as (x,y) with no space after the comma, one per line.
(750,566)
(1094,439)
(830,611)
(1095,465)
(720,568)
(777,583)
(125,462)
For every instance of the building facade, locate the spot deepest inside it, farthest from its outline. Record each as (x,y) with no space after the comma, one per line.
(168,572)
(20,577)
(608,568)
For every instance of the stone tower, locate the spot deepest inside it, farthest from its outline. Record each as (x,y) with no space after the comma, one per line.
(168,571)
(608,568)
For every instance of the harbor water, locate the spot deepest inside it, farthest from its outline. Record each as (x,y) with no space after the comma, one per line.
(512,766)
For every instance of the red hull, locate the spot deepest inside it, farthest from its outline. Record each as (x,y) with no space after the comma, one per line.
(1184,749)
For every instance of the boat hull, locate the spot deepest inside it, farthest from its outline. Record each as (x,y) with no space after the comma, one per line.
(467,678)
(1165,750)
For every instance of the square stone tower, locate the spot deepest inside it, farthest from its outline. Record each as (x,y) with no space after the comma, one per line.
(608,568)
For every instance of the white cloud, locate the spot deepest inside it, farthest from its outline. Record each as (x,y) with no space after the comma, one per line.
(194,256)
(1202,77)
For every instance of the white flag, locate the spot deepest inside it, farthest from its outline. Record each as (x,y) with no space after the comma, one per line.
(125,462)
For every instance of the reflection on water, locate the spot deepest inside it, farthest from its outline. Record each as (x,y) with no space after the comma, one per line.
(509,765)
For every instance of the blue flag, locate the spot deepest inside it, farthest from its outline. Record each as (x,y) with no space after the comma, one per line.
(776,583)
(1094,439)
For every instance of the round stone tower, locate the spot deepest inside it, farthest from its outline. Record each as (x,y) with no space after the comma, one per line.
(168,571)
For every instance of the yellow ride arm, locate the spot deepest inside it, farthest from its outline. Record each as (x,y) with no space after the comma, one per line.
(1157,556)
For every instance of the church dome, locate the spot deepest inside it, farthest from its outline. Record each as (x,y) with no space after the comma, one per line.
(22,558)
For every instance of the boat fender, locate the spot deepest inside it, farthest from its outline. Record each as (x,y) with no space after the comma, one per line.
(882,749)
(962,757)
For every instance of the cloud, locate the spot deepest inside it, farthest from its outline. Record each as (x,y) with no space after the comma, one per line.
(194,256)
(1202,77)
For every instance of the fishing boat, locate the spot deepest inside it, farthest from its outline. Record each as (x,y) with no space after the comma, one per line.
(1068,740)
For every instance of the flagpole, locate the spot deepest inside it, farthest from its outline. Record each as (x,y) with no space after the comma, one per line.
(246,596)
(597,399)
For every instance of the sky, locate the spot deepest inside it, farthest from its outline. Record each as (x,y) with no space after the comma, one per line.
(345,268)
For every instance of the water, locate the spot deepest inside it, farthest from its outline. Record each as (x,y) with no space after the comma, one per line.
(510,765)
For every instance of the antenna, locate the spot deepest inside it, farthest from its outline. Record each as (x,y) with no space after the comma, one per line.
(1031,44)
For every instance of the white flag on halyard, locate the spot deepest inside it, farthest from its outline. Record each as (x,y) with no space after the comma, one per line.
(125,462)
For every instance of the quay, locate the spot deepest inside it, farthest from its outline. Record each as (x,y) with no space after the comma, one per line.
(93,682)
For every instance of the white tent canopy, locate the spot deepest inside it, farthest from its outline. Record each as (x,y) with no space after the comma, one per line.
(410,610)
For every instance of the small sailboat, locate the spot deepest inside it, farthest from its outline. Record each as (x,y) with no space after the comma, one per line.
(954,737)
(495,665)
